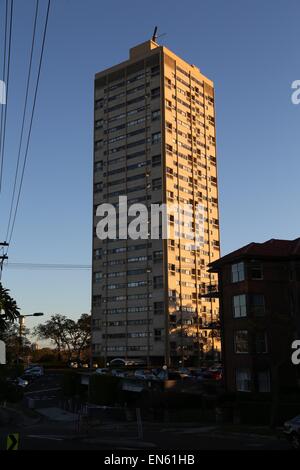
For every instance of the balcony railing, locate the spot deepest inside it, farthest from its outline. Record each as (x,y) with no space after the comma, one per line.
(211,291)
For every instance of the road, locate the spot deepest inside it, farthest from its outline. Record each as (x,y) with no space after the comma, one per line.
(48,435)
(45,434)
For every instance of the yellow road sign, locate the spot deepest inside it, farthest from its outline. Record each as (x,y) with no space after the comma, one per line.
(13,441)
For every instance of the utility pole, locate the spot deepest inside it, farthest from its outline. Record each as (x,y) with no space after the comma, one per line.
(3,257)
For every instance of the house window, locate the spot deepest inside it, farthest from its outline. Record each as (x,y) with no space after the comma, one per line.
(256,271)
(238,272)
(239,306)
(243,380)
(258,304)
(263,381)
(241,342)
(261,343)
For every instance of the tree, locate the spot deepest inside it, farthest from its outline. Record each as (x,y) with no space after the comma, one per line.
(11,338)
(9,310)
(79,334)
(68,335)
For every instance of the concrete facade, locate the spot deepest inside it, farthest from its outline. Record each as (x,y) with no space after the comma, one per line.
(155,142)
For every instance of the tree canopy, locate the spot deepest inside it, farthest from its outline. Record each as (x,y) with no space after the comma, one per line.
(9,310)
(67,334)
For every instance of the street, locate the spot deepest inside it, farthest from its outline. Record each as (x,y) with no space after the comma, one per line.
(54,429)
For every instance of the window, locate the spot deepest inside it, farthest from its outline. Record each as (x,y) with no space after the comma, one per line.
(159,308)
(156,184)
(97,276)
(239,306)
(156,137)
(98,166)
(157,334)
(158,282)
(155,93)
(156,160)
(169,104)
(96,300)
(98,144)
(241,342)
(237,272)
(157,256)
(261,343)
(258,304)
(263,381)
(98,253)
(243,380)
(99,124)
(155,115)
(256,271)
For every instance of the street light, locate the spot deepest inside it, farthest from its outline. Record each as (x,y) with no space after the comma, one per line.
(21,326)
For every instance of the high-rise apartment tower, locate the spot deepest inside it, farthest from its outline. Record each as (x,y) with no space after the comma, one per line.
(155,142)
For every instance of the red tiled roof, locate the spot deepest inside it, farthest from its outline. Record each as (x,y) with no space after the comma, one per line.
(273,248)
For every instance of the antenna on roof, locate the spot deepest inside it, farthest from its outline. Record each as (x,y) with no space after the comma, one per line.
(154,37)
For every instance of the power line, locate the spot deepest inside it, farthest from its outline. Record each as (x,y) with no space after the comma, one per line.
(3,128)
(48,266)
(4,67)
(31,121)
(24,116)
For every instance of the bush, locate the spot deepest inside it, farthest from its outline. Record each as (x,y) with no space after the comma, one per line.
(104,389)
(9,392)
(71,385)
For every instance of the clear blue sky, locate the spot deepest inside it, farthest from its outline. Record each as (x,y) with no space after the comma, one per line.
(251,51)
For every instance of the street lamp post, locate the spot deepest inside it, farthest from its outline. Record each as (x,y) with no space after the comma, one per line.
(21,327)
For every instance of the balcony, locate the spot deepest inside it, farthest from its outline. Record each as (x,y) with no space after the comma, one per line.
(211,292)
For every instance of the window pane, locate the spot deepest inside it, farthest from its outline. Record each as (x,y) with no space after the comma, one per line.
(237,272)
(256,271)
(241,342)
(258,304)
(261,342)
(263,379)
(243,380)
(239,306)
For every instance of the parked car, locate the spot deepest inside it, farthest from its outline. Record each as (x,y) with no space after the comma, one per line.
(102,371)
(19,382)
(145,375)
(292,431)
(185,372)
(198,374)
(36,371)
(118,373)
(73,365)
(176,375)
